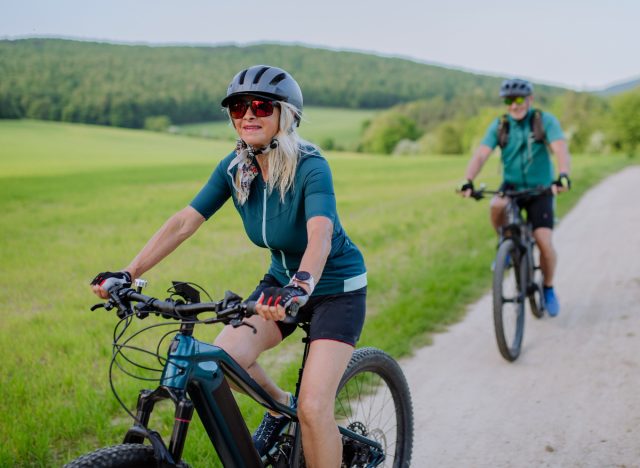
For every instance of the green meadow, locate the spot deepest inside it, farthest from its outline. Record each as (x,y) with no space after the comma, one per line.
(76,200)
(343,125)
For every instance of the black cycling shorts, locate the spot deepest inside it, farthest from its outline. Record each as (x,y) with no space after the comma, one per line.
(539,209)
(338,317)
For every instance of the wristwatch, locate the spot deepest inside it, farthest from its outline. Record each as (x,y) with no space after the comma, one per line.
(303,277)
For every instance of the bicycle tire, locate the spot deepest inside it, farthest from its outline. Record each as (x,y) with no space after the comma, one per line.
(373,399)
(536,298)
(509,292)
(119,456)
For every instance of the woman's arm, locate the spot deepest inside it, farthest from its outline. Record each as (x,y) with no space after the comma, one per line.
(177,228)
(319,232)
(174,232)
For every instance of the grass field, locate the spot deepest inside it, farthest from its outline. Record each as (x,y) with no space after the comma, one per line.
(76,200)
(343,127)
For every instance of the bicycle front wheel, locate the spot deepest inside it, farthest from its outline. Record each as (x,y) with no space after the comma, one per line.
(509,293)
(374,401)
(119,456)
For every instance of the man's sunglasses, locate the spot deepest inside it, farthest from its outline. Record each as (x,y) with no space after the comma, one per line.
(259,107)
(518,100)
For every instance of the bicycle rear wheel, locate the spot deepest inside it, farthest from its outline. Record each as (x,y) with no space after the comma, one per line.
(374,400)
(509,293)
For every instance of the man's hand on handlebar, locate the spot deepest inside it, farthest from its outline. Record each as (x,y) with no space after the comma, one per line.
(561,184)
(103,282)
(466,188)
(273,302)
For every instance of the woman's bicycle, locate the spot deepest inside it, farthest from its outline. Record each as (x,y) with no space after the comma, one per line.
(516,274)
(373,404)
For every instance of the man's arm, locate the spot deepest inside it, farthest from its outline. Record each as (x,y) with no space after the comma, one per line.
(479,157)
(560,149)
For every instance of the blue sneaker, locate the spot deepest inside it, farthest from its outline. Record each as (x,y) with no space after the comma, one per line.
(269,430)
(551,301)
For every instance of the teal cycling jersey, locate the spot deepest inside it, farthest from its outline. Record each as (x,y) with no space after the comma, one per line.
(526,163)
(281,226)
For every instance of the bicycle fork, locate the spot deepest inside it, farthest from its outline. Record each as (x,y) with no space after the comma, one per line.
(183,414)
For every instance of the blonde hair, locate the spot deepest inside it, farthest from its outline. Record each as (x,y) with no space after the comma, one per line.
(283,159)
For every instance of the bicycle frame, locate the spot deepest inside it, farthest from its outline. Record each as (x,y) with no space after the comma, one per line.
(199,370)
(520,231)
(202,371)
(516,227)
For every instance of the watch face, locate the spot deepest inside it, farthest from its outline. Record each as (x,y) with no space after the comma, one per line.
(302,276)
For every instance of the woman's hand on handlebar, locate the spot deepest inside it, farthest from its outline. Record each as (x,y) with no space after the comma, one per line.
(274,302)
(103,282)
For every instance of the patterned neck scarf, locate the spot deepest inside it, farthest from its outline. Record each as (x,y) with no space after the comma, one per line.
(247,167)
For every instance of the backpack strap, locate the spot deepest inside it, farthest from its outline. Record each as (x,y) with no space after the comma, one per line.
(503,131)
(537,128)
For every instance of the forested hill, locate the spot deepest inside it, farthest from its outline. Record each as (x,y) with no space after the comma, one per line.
(122,85)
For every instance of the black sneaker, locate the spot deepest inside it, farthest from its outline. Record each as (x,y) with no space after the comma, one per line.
(269,430)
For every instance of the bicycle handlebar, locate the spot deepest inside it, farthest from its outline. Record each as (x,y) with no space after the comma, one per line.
(480,193)
(229,310)
(123,299)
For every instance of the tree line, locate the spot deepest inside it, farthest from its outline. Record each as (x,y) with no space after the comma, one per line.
(429,109)
(124,85)
(593,124)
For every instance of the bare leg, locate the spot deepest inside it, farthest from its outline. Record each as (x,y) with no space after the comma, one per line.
(548,257)
(244,346)
(497,206)
(323,370)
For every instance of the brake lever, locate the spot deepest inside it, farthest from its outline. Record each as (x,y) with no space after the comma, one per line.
(293,309)
(235,323)
(106,305)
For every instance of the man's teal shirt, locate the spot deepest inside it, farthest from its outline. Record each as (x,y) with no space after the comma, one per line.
(282,226)
(526,163)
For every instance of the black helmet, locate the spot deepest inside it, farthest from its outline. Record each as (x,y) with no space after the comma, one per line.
(268,82)
(516,87)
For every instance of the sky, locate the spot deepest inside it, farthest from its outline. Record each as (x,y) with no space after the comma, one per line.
(579,44)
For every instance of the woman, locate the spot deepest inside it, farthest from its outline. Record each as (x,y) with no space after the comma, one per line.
(283,191)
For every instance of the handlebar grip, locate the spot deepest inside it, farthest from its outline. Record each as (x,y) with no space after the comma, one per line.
(251,307)
(289,317)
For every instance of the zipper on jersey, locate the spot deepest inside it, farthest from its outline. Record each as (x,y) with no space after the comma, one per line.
(264,217)
(264,230)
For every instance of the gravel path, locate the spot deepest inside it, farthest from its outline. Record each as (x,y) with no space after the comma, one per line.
(572,399)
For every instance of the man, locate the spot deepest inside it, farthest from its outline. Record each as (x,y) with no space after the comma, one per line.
(526,137)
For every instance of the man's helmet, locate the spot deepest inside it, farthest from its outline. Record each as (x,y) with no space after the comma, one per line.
(267,82)
(516,87)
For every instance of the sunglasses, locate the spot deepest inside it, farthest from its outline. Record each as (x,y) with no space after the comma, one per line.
(518,100)
(259,107)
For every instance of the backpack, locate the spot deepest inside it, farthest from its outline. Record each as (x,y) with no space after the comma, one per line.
(537,129)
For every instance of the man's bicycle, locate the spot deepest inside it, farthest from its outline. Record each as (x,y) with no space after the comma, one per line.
(517,277)
(373,404)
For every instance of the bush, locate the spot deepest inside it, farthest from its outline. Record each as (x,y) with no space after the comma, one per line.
(625,119)
(449,139)
(157,123)
(406,146)
(384,133)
